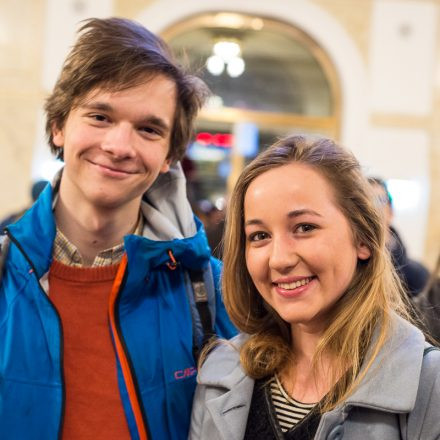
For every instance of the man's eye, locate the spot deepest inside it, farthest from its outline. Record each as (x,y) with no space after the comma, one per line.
(150,130)
(98,118)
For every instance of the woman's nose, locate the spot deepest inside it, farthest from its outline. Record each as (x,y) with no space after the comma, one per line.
(283,254)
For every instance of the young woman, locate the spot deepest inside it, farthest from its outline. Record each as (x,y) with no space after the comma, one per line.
(327,350)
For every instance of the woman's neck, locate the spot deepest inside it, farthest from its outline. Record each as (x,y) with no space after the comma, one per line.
(305,380)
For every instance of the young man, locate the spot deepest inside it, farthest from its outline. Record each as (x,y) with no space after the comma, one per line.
(107,281)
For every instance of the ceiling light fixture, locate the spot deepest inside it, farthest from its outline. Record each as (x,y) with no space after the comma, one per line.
(226,53)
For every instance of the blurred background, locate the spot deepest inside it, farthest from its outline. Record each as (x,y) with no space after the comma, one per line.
(365,72)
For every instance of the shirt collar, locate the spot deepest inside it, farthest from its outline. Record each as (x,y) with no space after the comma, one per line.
(67,253)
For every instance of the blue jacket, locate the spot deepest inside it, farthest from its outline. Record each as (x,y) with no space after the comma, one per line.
(152,329)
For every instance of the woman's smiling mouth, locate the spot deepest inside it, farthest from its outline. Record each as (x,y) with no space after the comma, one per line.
(289,289)
(295,284)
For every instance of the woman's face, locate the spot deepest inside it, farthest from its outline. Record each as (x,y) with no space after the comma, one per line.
(300,250)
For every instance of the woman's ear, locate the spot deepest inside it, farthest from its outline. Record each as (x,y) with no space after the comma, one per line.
(363,252)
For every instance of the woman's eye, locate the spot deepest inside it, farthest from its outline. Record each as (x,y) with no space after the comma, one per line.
(305,227)
(258,236)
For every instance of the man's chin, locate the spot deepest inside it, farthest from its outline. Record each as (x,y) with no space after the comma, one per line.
(109,202)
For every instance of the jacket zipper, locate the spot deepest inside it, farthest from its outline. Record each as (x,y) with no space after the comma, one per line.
(63,385)
(123,355)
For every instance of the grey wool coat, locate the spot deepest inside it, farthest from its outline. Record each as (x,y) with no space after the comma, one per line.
(399,398)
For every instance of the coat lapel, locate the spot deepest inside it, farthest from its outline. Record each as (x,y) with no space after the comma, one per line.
(229,411)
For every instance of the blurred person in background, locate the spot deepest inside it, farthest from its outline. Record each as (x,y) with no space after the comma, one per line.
(414,275)
(428,303)
(36,188)
(327,349)
(109,288)
(214,221)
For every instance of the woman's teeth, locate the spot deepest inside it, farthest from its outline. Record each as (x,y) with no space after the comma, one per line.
(294,285)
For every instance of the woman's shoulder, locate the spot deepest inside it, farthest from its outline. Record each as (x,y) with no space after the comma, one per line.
(401,330)
(223,361)
(422,421)
(431,363)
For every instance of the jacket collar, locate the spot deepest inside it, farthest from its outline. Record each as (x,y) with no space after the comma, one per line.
(392,381)
(191,252)
(35,233)
(229,410)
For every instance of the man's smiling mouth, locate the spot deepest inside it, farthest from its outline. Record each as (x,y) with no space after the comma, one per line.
(112,168)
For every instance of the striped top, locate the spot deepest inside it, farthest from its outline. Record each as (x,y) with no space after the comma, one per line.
(289,412)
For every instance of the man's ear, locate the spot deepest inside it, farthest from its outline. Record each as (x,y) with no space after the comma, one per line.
(363,252)
(165,166)
(57,135)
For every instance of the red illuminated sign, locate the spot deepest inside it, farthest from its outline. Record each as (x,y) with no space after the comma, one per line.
(221,140)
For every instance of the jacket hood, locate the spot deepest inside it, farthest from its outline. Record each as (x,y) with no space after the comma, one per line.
(167,212)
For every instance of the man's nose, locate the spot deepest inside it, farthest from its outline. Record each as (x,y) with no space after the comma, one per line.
(119,141)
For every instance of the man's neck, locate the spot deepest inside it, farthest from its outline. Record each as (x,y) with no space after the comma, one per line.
(93,230)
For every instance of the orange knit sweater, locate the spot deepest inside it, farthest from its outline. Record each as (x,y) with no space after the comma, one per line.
(93,405)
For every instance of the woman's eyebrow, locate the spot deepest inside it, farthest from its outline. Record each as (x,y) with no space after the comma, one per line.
(291,214)
(253,221)
(299,212)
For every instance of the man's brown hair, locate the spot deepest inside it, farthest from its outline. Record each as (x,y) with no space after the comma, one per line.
(116,54)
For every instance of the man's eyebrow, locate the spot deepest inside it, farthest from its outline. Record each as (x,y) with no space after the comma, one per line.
(291,214)
(97,105)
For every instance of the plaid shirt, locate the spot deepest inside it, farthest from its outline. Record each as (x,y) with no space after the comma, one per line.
(66,252)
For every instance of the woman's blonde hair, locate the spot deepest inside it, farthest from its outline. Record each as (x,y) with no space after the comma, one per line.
(361,317)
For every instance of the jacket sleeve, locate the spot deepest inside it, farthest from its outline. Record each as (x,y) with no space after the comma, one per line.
(423,421)
(223,325)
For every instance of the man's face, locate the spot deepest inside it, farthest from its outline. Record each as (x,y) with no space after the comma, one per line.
(116,143)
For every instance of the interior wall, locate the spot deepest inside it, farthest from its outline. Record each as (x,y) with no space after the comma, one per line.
(21,42)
